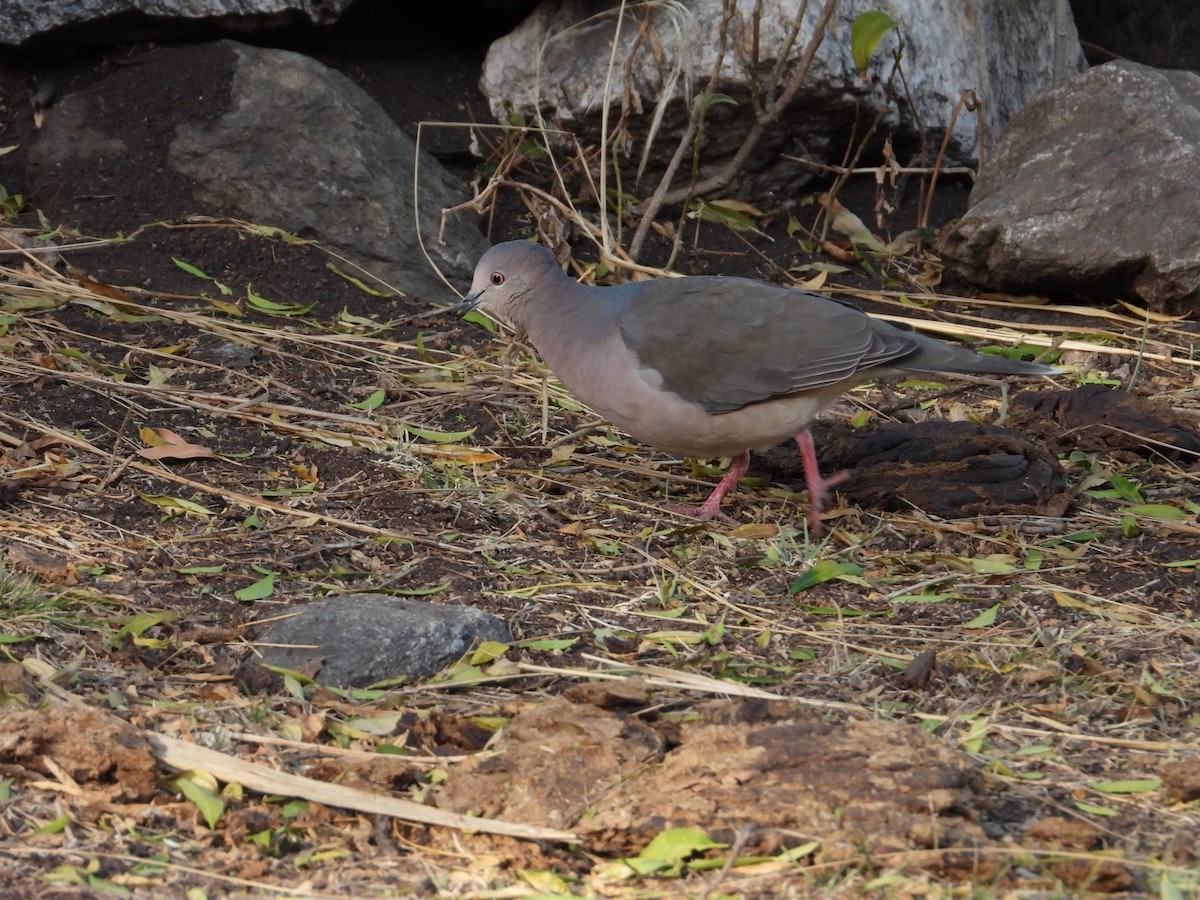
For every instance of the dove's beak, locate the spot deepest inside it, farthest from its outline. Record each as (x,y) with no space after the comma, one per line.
(467,303)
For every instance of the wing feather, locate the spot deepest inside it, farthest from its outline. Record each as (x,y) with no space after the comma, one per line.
(725,343)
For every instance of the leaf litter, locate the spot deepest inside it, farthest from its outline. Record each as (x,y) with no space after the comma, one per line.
(727,680)
(1064,668)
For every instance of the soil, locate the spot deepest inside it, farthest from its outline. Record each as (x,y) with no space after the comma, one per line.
(969,652)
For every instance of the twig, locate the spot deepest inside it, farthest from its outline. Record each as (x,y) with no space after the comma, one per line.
(874,170)
(771,113)
(971,102)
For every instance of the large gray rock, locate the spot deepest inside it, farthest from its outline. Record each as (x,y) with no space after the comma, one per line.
(358,639)
(1093,190)
(288,142)
(558,61)
(23,19)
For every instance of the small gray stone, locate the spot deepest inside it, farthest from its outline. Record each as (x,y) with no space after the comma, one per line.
(353,640)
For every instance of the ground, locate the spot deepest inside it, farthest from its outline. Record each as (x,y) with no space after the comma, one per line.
(181,464)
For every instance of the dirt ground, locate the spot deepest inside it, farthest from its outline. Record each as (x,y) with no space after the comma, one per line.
(1001,699)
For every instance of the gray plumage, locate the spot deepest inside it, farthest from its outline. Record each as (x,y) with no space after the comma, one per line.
(704,365)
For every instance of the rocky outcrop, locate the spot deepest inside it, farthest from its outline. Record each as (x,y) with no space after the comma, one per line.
(24,19)
(1092,190)
(561,62)
(284,141)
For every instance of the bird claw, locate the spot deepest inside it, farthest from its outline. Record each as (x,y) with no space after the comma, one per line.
(704,512)
(818,493)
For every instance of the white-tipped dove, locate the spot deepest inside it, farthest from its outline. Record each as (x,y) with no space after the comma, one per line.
(707,366)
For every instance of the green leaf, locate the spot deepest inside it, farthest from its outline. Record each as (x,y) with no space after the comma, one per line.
(379,726)
(1168,889)
(293,686)
(866,33)
(438,437)
(357,282)
(486,652)
(211,806)
(281,672)
(477,318)
(985,619)
(1130,527)
(733,214)
(420,591)
(679,843)
(138,624)
(190,269)
(1125,489)
(718,99)
(177,505)
(54,826)
(798,853)
(1133,786)
(293,808)
(548,644)
(669,847)
(1182,563)
(271,308)
(260,590)
(994,564)
(822,571)
(373,402)
(1094,810)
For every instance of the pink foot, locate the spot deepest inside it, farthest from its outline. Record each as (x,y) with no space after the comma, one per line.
(711,508)
(818,487)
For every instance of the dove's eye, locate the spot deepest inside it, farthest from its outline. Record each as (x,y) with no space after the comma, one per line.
(497,278)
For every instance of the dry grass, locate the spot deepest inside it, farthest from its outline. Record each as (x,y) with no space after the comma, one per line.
(1082,677)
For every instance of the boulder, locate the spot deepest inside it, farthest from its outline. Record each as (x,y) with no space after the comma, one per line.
(285,141)
(24,19)
(1091,191)
(560,62)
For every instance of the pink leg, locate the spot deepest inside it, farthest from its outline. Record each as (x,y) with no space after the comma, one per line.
(711,508)
(818,487)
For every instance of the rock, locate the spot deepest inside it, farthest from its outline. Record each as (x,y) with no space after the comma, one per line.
(1087,192)
(24,19)
(288,143)
(558,61)
(353,640)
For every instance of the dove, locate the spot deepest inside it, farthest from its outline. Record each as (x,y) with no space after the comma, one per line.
(708,366)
